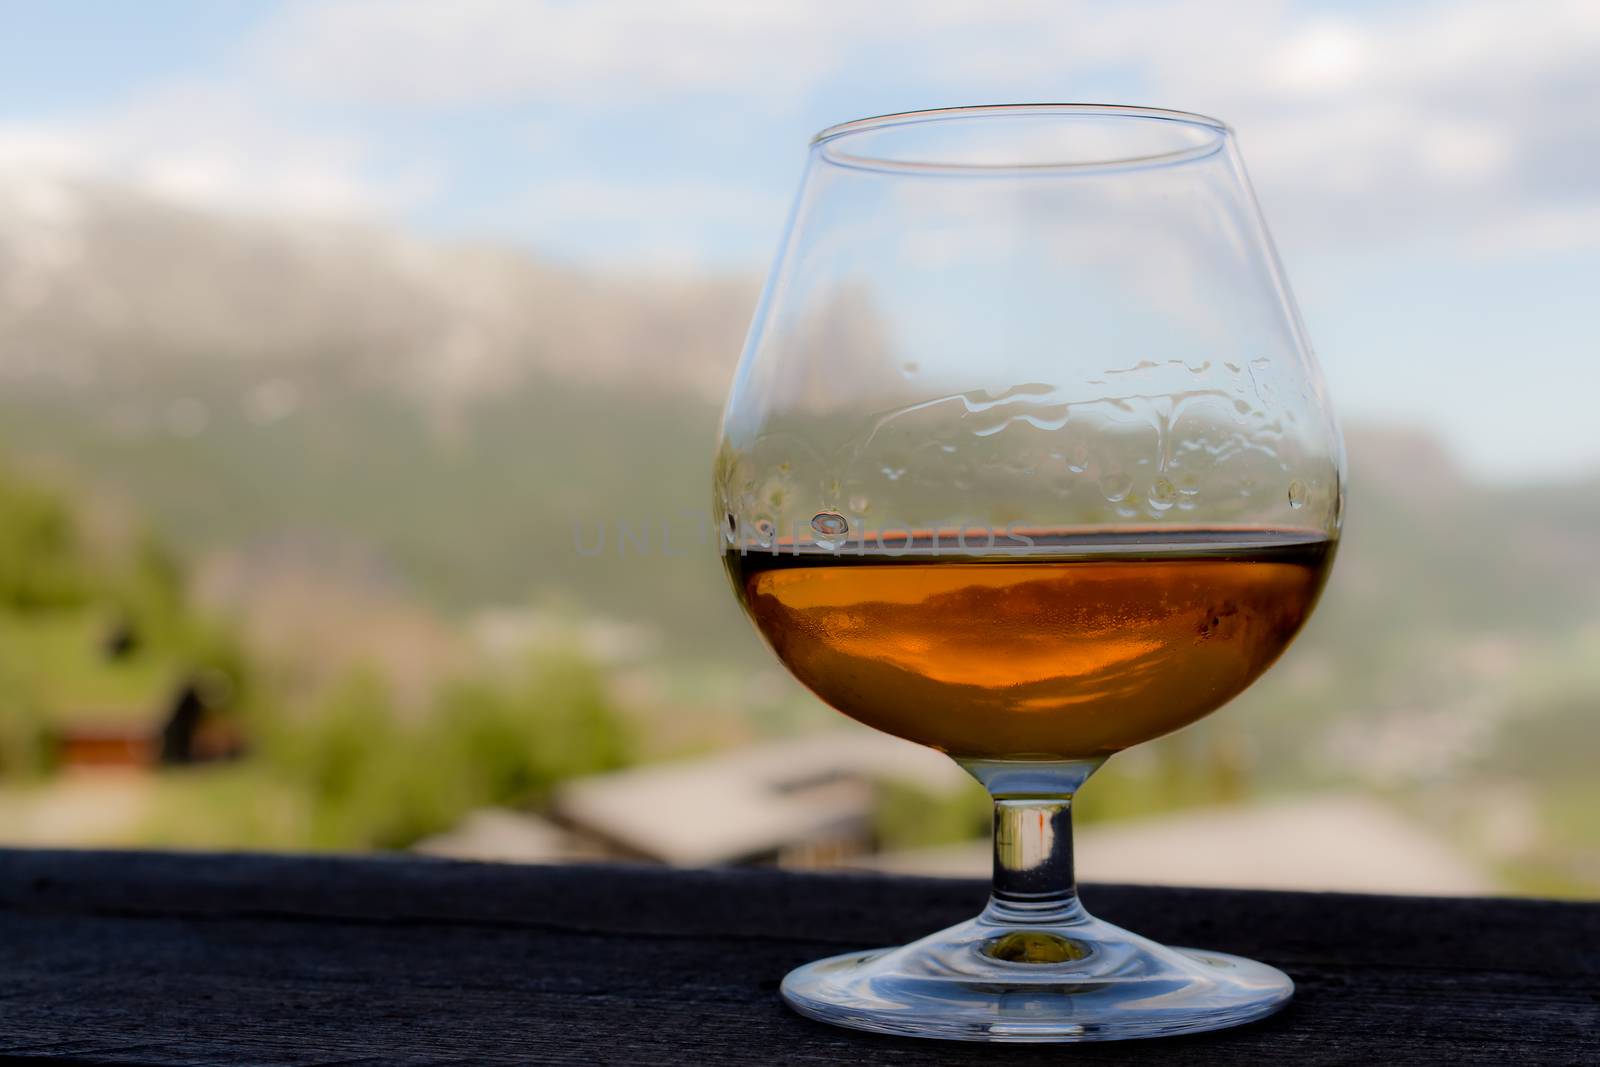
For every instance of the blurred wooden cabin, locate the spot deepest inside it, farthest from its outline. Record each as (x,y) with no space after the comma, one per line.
(173,717)
(804,801)
(182,728)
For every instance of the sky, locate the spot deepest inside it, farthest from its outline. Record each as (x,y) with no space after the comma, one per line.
(1431,170)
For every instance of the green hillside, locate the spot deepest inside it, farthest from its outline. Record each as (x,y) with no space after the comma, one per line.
(527,496)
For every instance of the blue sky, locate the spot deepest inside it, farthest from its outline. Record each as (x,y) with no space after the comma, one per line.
(1435,194)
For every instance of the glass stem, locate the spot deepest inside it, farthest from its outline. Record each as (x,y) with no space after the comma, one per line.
(1034,882)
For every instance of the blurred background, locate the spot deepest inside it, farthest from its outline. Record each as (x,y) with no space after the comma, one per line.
(359,372)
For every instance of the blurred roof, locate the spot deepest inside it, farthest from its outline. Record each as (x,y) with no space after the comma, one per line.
(753,802)
(504,836)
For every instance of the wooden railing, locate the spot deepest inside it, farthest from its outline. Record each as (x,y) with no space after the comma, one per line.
(166,959)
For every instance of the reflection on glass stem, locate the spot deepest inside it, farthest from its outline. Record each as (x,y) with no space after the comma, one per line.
(1033,872)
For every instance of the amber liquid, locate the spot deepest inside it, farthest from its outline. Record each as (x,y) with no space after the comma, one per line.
(1076,645)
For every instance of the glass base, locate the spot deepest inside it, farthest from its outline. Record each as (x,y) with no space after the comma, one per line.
(1078,979)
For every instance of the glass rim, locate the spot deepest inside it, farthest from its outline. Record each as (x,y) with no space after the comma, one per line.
(825,141)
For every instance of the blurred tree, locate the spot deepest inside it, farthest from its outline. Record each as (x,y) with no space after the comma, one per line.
(41,562)
(551,720)
(24,736)
(370,778)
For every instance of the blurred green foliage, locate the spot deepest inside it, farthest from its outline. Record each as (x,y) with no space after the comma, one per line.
(42,563)
(358,772)
(909,816)
(63,600)
(354,771)
(1407,632)
(375,780)
(24,738)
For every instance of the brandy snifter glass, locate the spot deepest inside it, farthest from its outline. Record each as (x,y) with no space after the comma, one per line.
(1028,460)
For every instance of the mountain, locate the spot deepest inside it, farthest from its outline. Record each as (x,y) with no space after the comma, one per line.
(459,413)
(485,427)
(102,285)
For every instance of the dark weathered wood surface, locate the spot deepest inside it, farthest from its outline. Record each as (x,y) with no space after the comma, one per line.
(159,958)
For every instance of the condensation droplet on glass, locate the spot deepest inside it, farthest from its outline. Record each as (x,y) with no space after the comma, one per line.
(947,449)
(1080,459)
(1242,406)
(910,367)
(859,504)
(893,473)
(1163,494)
(830,524)
(1116,487)
(1189,485)
(1297,494)
(831,528)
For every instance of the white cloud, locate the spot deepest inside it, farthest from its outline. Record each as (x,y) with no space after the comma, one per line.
(1325,56)
(1536,232)
(584,53)
(1445,122)
(612,200)
(1450,121)
(214,146)
(665,222)
(1385,123)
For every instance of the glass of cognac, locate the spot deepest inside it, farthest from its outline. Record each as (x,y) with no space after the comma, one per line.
(1028,460)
